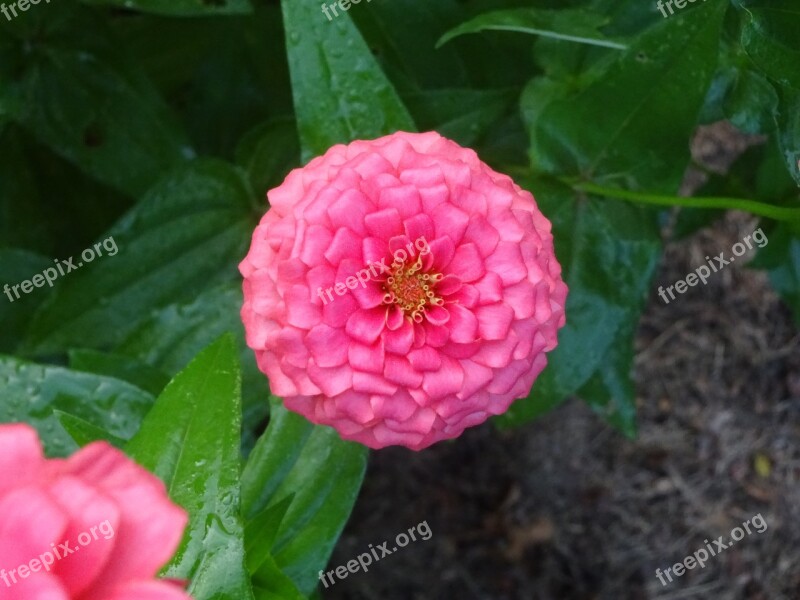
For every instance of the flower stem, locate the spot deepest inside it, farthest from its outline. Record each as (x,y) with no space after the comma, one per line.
(779,213)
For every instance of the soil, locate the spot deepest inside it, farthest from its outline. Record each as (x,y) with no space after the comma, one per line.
(568,508)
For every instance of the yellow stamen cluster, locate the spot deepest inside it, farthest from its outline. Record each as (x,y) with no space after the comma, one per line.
(411,290)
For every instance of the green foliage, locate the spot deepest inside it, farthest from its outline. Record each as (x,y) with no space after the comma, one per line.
(163,124)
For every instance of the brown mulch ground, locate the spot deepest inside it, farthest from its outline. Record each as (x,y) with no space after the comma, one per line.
(567,508)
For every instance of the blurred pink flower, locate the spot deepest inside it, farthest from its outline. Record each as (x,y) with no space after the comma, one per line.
(453,332)
(95,526)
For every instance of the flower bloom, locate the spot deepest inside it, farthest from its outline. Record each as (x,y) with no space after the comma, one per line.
(95,526)
(451,326)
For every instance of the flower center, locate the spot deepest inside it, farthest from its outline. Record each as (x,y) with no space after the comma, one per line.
(410,289)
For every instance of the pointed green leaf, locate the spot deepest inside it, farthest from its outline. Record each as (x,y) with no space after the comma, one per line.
(321,472)
(573,25)
(190,439)
(340,92)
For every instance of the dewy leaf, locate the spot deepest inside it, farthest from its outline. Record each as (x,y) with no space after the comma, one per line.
(574,25)
(84,98)
(171,336)
(185,236)
(616,125)
(321,472)
(190,439)
(181,8)
(30,393)
(609,251)
(340,92)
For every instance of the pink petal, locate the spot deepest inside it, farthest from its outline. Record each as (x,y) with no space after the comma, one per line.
(467,263)
(30,520)
(366,325)
(21,457)
(450,221)
(331,382)
(482,234)
(368,358)
(433,196)
(399,341)
(404,198)
(384,223)
(425,359)
(507,263)
(345,244)
(419,227)
(446,380)
(349,210)
(300,312)
(90,514)
(442,251)
(327,345)
(494,321)
(399,370)
(463,324)
(150,527)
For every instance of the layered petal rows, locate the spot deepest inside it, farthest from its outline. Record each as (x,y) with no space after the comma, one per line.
(95,526)
(400,290)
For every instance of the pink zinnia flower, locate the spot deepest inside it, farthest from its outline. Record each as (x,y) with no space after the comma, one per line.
(400,290)
(95,526)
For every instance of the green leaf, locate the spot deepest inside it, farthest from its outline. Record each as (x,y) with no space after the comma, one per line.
(340,92)
(17,266)
(261,531)
(321,473)
(170,337)
(574,25)
(750,102)
(180,8)
(185,236)
(611,391)
(22,217)
(84,432)
(609,252)
(268,153)
(190,439)
(84,98)
(120,367)
(771,38)
(31,392)
(461,115)
(616,126)
(788,119)
(781,259)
